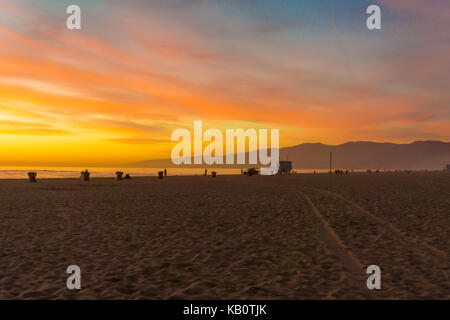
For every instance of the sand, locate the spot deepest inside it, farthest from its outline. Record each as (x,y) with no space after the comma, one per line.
(305,236)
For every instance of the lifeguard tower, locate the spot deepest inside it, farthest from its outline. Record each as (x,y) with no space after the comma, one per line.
(285,167)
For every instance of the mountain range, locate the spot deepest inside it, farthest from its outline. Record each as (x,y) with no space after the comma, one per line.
(355,155)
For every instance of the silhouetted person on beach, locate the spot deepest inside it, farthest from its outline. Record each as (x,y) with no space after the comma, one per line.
(206,172)
(85,174)
(165,172)
(127,176)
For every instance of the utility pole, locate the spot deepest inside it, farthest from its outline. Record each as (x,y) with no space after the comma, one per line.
(331,159)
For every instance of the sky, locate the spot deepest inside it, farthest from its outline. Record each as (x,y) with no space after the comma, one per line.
(114,91)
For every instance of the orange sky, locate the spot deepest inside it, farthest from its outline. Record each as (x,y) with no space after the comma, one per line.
(114,91)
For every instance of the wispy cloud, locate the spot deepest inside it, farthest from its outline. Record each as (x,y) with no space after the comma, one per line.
(138,70)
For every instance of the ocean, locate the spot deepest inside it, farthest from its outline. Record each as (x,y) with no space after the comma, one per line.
(104,172)
(101,172)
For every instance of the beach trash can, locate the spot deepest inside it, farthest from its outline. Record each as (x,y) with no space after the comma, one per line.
(85,175)
(119,175)
(161,174)
(32,176)
(214,174)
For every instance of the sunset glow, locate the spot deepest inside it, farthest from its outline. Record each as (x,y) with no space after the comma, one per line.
(113,92)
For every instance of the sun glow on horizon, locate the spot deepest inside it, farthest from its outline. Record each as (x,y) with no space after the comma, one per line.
(113,92)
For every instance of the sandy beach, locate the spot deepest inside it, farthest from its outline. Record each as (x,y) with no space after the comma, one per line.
(304,236)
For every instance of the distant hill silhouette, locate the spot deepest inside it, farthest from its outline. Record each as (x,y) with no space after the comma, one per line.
(370,155)
(356,155)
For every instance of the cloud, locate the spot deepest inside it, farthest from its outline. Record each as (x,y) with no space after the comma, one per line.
(11,127)
(431,8)
(40,86)
(145,68)
(140,141)
(34,132)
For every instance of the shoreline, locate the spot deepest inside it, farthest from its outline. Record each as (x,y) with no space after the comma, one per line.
(155,175)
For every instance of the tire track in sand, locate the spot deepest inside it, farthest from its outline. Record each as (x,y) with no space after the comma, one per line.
(402,236)
(389,225)
(345,255)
